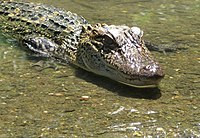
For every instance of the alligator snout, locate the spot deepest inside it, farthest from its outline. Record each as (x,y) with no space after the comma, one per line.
(153,71)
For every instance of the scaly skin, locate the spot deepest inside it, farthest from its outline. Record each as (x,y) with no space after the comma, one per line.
(116,52)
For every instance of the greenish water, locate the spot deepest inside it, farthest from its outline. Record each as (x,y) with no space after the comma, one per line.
(49,102)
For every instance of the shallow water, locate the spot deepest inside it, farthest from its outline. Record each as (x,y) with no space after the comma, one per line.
(63,101)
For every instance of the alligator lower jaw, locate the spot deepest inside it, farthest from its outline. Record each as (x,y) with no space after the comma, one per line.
(133,83)
(140,86)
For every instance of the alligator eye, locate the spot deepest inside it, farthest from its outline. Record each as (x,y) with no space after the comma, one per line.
(108,41)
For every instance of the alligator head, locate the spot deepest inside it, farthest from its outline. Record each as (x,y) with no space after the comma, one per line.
(119,53)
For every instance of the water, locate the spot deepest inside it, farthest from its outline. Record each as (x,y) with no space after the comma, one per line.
(58,100)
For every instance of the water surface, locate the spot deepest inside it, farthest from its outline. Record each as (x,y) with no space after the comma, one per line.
(56,100)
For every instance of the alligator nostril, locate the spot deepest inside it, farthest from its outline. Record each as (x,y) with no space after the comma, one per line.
(148,67)
(153,71)
(151,68)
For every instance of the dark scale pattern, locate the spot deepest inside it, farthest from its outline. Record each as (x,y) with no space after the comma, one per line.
(41,17)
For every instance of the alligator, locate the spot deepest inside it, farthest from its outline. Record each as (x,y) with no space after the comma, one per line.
(114,51)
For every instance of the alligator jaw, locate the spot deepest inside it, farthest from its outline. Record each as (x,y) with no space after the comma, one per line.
(140,86)
(143,82)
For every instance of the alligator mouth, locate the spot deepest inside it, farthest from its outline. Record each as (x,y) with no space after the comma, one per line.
(140,81)
(142,84)
(133,80)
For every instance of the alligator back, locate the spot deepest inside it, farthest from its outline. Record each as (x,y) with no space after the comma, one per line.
(20,19)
